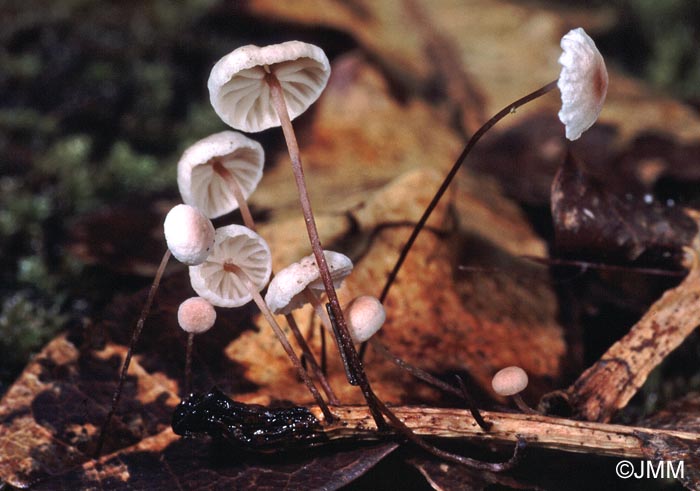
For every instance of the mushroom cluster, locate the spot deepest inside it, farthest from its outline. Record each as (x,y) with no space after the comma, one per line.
(255,88)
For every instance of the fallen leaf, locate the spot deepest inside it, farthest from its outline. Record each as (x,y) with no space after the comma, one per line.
(478,323)
(360,138)
(166,461)
(591,222)
(400,37)
(446,476)
(525,157)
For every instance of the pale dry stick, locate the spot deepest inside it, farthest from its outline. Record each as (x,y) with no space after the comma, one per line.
(260,302)
(250,223)
(609,384)
(355,422)
(132,344)
(403,429)
(355,373)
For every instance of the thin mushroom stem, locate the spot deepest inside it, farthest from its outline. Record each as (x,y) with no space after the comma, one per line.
(473,408)
(220,169)
(315,302)
(132,344)
(451,175)
(421,374)
(318,371)
(249,222)
(324,357)
(260,302)
(188,363)
(345,344)
(522,405)
(412,369)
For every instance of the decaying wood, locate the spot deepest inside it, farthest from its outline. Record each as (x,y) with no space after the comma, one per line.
(612,381)
(538,431)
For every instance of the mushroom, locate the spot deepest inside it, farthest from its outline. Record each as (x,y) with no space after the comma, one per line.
(365,316)
(190,236)
(195,316)
(300,283)
(510,382)
(254,88)
(583,82)
(244,83)
(218,173)
(238,267)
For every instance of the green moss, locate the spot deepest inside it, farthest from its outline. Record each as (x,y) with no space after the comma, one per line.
(672,29)
(25,325)
(128,172)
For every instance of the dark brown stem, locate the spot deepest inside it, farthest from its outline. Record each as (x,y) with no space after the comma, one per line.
(188,364)
(232,268)
(344,340)
(412,369)
(586,265)
(132,344)
(421,374)
(324,357)
(451,175)
(471,405)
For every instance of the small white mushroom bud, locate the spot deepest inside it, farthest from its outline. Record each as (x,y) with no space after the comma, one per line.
(365,315)
(196,315)
(509,381)
(189,234)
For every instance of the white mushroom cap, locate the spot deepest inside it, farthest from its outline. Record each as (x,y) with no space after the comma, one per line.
(196,315)
(240,246)
(240,95)
(509,381)
(189,234)
(365,315)
(286,290)
(199,183)
(583,82)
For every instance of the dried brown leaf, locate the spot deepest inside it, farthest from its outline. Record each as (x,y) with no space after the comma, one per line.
(361,137)
(592,222)
(445,476)
(449,320)
(166,461)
